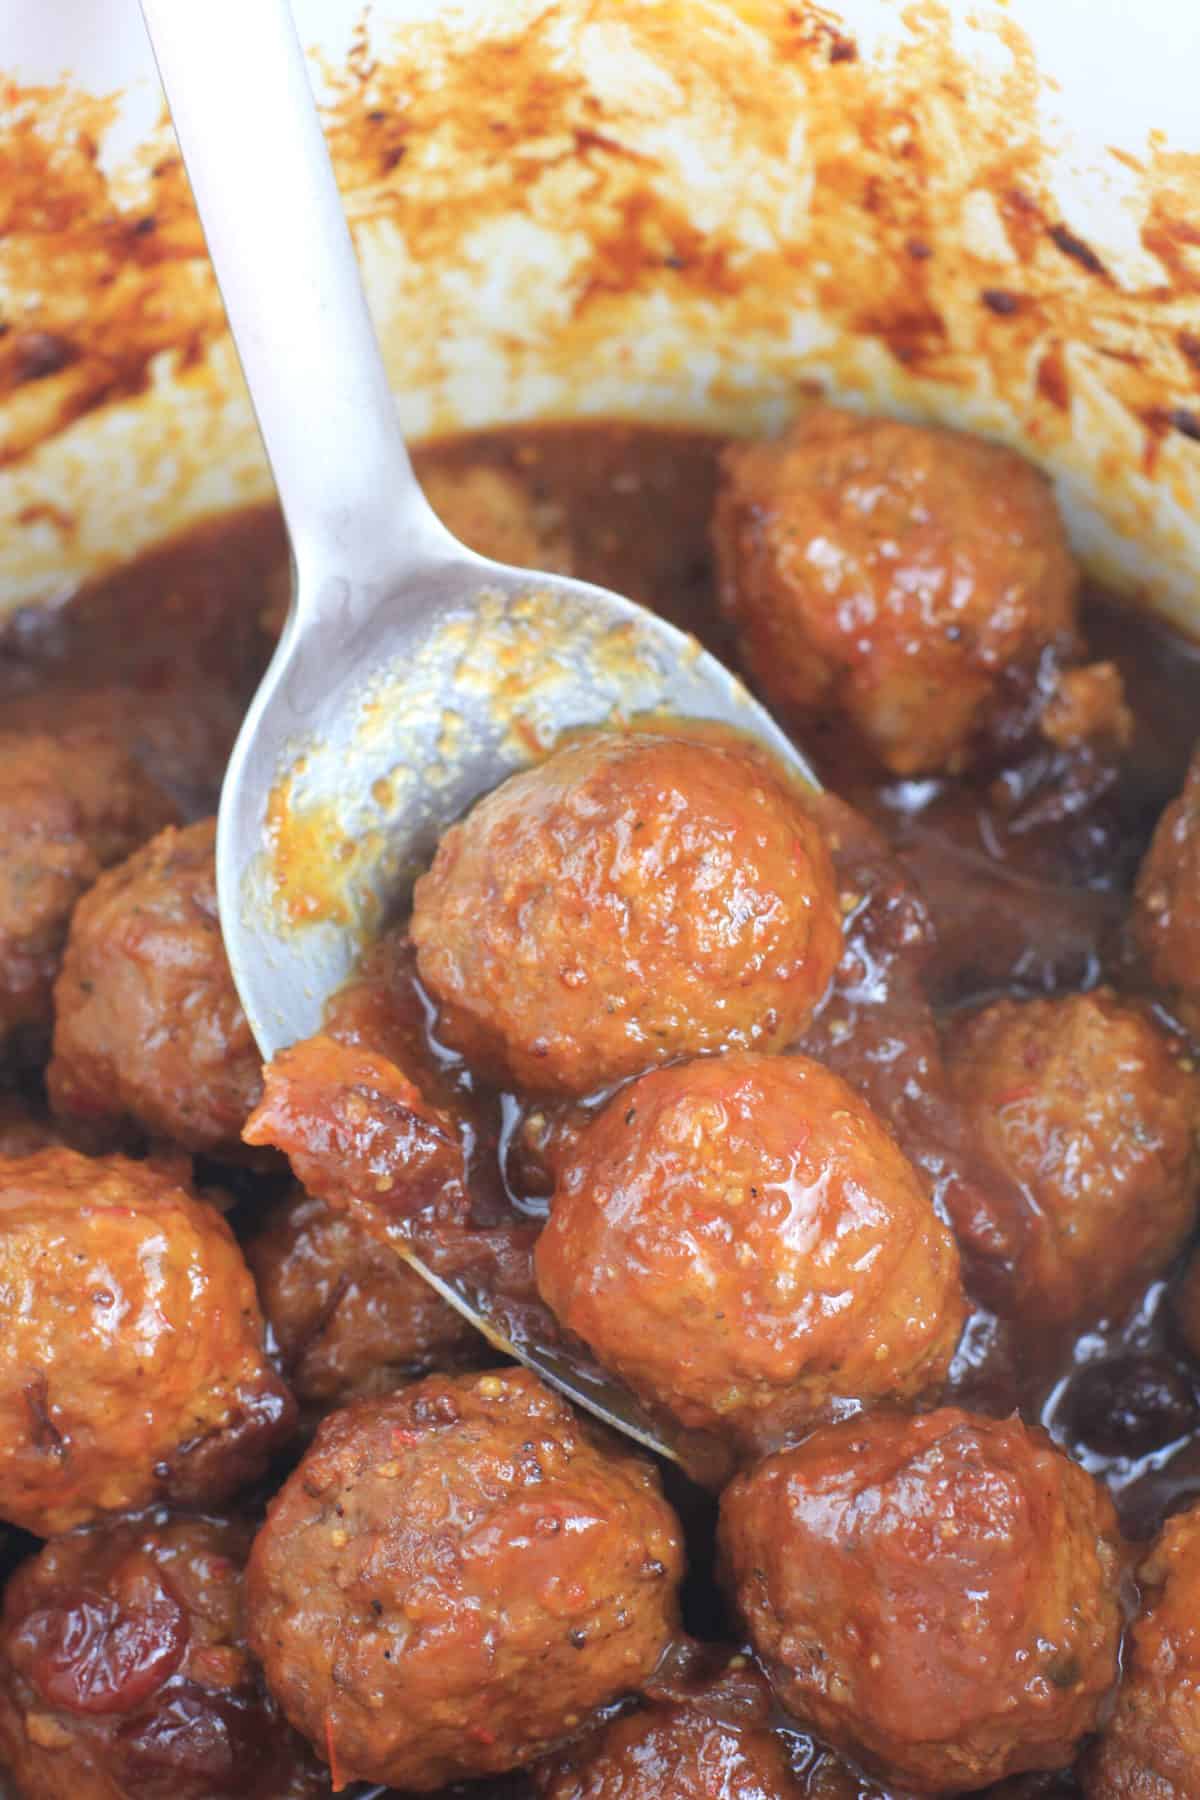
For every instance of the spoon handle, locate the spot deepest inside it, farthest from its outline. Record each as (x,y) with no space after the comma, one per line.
(244,114)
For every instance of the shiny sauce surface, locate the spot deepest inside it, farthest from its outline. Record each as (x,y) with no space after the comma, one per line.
(1027,876)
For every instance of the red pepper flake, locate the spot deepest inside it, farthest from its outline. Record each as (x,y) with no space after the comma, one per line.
(335,1774)
(1014,1094)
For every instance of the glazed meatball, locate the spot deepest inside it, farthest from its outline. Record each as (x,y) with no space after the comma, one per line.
(742,1241)
(1150,1747)
(349,1316)
(131,1362)
(637,897)
(69,807)
(1166,909)
(1087,1102)
(893,576)
(937,1596)
(455,1576)
(124,1671)
(706,1742)
(148,1024)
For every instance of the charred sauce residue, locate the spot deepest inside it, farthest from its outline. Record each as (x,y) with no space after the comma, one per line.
(919,220)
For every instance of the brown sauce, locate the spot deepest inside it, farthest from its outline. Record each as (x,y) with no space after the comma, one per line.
(1027,881)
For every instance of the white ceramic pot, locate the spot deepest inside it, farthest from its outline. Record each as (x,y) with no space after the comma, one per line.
(669,209)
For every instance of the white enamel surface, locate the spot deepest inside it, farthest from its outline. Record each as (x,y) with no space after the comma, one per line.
(486,327)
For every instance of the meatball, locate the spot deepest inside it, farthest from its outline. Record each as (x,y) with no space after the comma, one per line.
(707,1741)
(349,1316)
(637,897)
(455,1576)
(1150,1747)
(148,1024)
(743,1242)
(1087,1102)
(1166,908)
(124,1670)
(131,1363)
(893,576)
(69,807)
(938,1596)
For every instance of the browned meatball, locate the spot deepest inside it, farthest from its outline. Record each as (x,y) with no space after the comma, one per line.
(742,1241)
(705,1741)
(1087,1102)
(124,1671)
(69,807)
(938,1596)
(892,575)
(148,1024)
(1166,908)
(637,897)
(1150,1747)
(456,1576)
(131,1360)
(350,1317)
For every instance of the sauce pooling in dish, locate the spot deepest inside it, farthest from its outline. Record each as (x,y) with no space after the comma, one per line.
(973,1098)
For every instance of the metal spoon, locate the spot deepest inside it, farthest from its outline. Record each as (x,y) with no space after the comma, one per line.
(412,676)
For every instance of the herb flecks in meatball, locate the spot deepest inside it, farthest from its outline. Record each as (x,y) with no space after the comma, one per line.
(891,577)
(742,1241)
(638,896)
(937,1596)
(69,807)
(124,1671)
(456,1576)
(132,1365)
(1086,1101)
(148,1025)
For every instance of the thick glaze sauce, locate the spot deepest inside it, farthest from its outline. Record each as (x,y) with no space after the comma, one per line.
(1026,873)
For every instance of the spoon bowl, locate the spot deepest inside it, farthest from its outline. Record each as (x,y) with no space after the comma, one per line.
(381,721)
(412,675)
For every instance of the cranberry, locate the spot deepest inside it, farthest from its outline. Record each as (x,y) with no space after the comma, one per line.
(1130,1405)
(93,1654)
(200,1745)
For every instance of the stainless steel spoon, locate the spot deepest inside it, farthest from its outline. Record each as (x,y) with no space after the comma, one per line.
(412,675)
